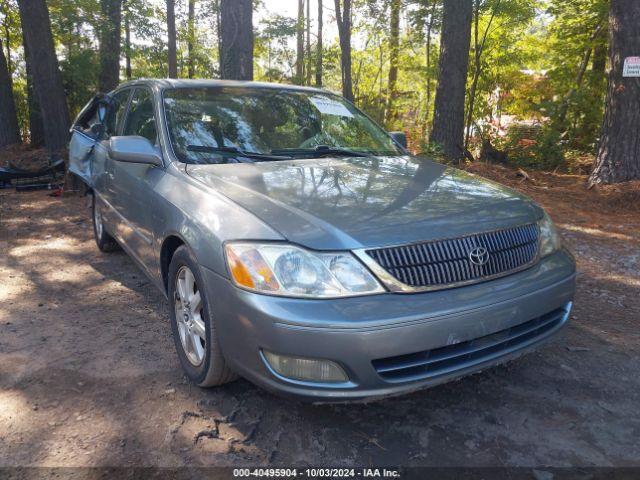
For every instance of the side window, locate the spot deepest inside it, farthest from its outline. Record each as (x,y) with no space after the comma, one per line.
(87,123)
(114,118)
(140,119)
(88,119)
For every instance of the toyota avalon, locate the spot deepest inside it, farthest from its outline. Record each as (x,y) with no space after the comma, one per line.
(302,247)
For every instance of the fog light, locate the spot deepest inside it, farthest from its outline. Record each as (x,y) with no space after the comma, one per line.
(306,369)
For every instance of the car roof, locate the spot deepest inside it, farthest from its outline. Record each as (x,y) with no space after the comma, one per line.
(188,83)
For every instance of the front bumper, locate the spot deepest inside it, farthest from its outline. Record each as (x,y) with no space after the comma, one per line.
(358,332)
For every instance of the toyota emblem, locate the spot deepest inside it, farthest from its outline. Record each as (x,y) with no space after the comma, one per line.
(479,256)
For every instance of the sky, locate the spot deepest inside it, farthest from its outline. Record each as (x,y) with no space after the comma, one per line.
(289,8)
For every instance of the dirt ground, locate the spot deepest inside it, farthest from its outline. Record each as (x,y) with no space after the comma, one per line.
(89,376)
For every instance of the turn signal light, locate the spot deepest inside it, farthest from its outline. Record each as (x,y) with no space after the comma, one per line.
(239,272)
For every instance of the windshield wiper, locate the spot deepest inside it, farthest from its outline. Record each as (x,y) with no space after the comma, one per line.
(320,150)
(235,151)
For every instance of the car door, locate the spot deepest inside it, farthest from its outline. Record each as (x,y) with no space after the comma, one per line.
(102,167)
(87,130)
(134,183)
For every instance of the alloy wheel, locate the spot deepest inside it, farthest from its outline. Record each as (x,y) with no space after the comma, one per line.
(189,316)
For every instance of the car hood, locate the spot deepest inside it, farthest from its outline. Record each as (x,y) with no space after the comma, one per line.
(349,203)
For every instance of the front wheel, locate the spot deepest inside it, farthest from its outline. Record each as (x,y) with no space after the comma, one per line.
(194,329)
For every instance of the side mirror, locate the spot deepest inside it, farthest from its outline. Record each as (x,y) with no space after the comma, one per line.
(134,149)
(400,138)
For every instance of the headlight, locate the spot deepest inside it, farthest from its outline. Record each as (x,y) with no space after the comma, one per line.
(292,271)
(549,239)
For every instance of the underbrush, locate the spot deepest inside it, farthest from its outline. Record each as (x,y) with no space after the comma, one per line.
(542,151)
(538,147)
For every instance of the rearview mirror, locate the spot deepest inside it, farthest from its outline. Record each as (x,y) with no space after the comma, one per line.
(134,149)
(400,138)
(102,111)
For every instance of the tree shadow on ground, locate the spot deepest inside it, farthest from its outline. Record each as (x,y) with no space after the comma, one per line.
(89,376)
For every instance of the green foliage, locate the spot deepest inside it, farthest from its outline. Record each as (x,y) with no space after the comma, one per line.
(80,78)
(544,150)
(20,98)
(524,62)
(548,150)
(530,70)
(272,48)
(499,43)
(11,34)
(577,31)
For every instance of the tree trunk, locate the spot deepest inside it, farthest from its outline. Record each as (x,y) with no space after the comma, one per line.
(171,39)
(343,18)
(216,5)
(599,62)
(191,33)
(448,117)
(236,39)
(9,131)
(618,157)
(109,77)
(127,41)
(319,47)
(308,46)
(47,78)
(428,63)
(36,127)
(300,44)
(394,47)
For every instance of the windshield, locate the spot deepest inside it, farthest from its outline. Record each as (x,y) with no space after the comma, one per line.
(214,124)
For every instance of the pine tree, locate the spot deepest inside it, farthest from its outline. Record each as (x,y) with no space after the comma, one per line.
(448,119)
(47,78)
(236,39)
(9,131)
(618,157)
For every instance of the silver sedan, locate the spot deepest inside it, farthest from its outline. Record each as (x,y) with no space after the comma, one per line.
(302,247)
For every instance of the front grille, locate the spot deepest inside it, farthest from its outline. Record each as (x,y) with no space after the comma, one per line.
(445,263)
(446,360)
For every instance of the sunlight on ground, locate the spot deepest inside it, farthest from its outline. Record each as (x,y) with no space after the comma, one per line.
(59,244)
(14,410)
(597,232)
(8,289)
(624,279)
(72,274)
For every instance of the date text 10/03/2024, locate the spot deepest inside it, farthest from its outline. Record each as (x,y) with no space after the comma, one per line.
(316,473)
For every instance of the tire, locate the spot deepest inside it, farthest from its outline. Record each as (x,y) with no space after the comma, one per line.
(193,326)
(104,241)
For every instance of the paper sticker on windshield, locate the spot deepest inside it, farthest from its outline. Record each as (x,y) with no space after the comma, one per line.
(330,107)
